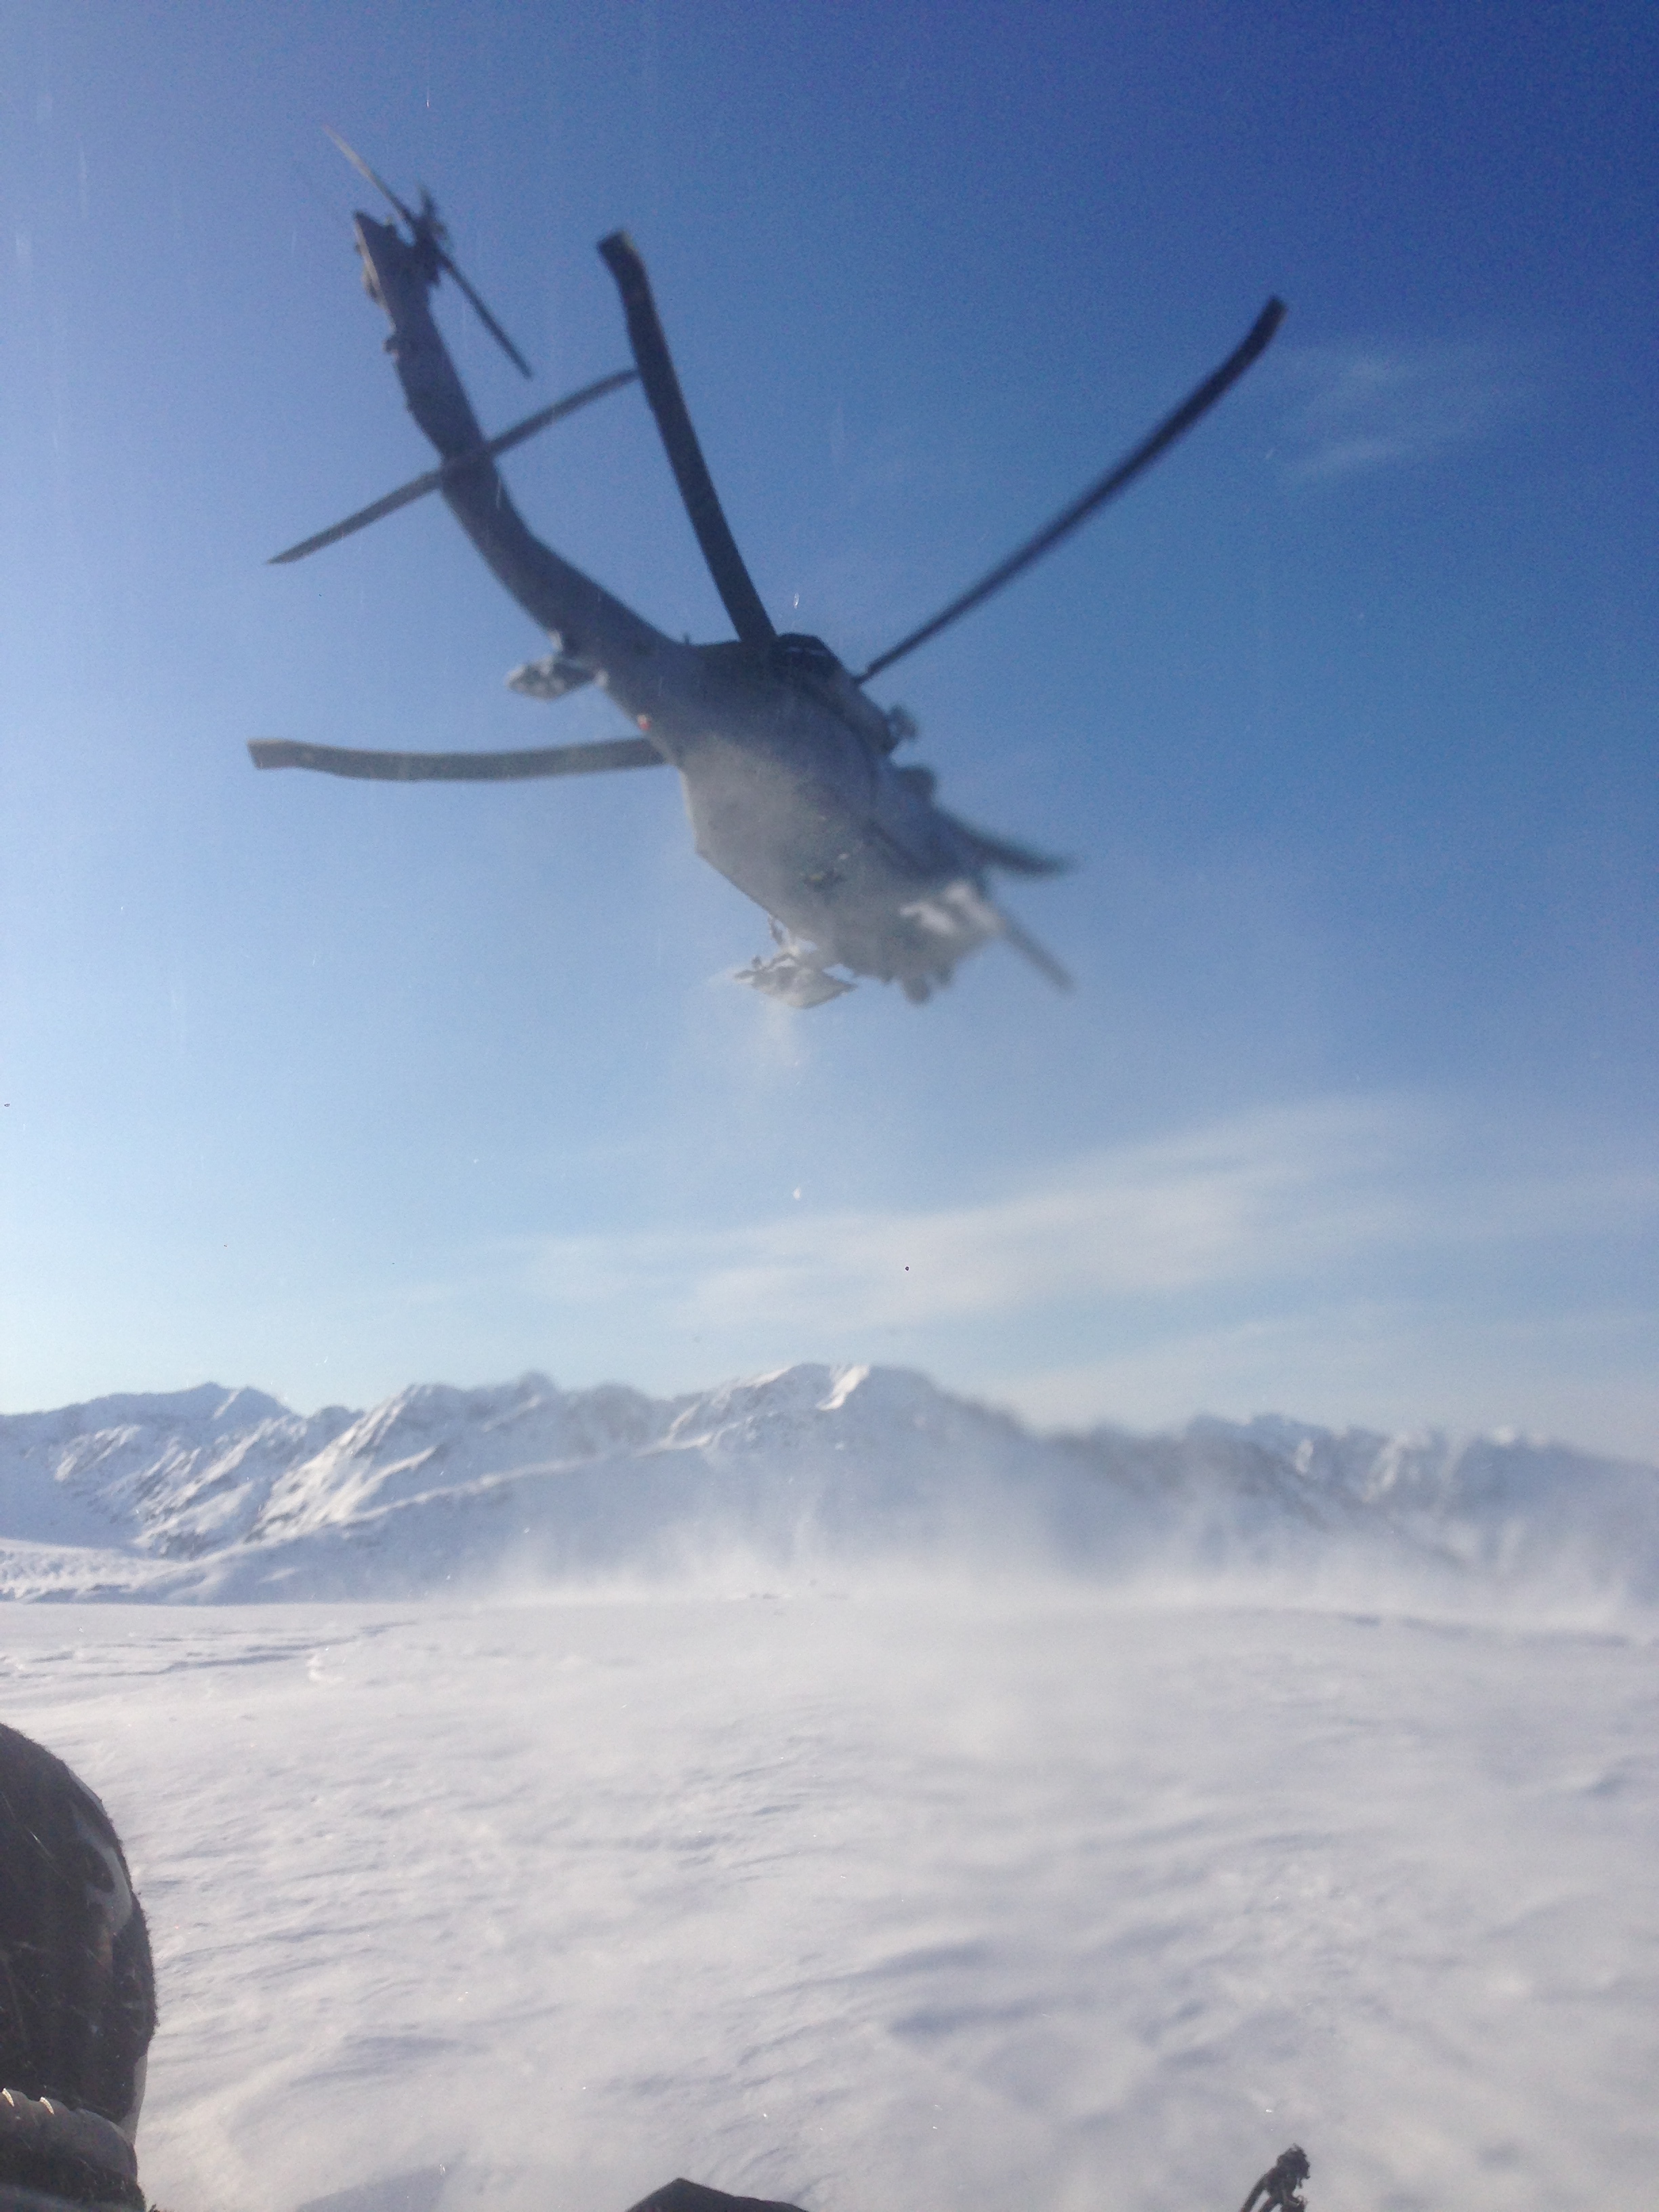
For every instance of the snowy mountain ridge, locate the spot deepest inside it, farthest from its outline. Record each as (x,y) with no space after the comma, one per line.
(227,1495)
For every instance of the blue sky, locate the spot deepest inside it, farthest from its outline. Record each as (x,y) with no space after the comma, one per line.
(1346,711)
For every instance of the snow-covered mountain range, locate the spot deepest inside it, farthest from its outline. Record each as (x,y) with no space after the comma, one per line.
(226,1495)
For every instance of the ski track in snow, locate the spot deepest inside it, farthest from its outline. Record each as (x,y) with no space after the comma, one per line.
(879,1903)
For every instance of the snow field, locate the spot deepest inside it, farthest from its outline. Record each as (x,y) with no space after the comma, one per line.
(877,1903)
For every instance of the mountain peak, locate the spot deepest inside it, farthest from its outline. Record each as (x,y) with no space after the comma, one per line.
(226,1494)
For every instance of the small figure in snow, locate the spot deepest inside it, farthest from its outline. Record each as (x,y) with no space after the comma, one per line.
(77,1994)
(1276,2190)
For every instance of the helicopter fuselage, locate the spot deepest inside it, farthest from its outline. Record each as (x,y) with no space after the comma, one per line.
(784,761)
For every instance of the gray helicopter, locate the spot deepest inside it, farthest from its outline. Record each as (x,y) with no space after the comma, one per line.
(785,761)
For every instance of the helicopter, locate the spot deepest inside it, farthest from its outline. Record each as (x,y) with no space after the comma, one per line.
(784,760)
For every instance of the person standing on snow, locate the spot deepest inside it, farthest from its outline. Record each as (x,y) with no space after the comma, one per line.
(77,1993)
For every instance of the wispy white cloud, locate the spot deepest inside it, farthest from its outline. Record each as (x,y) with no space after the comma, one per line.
(1373,406)
(1388,1260)
(1270,1198)
(1386,1362)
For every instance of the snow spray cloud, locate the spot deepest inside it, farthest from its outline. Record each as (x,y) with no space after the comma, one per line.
(808,1477)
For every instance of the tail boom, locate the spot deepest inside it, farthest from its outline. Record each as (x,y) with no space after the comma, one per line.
(592,625)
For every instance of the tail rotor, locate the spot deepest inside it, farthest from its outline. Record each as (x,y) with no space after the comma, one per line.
(430,240)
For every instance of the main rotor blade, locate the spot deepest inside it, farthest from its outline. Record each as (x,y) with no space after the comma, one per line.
(482,312)
(375,179)
(1116,479)
(662,388)
(1039,955)
(457,767)
(1004,853)
(435,478)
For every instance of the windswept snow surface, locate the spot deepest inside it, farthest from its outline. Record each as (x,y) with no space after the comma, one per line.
(825,1788)
(882,1903)
(221,1495)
